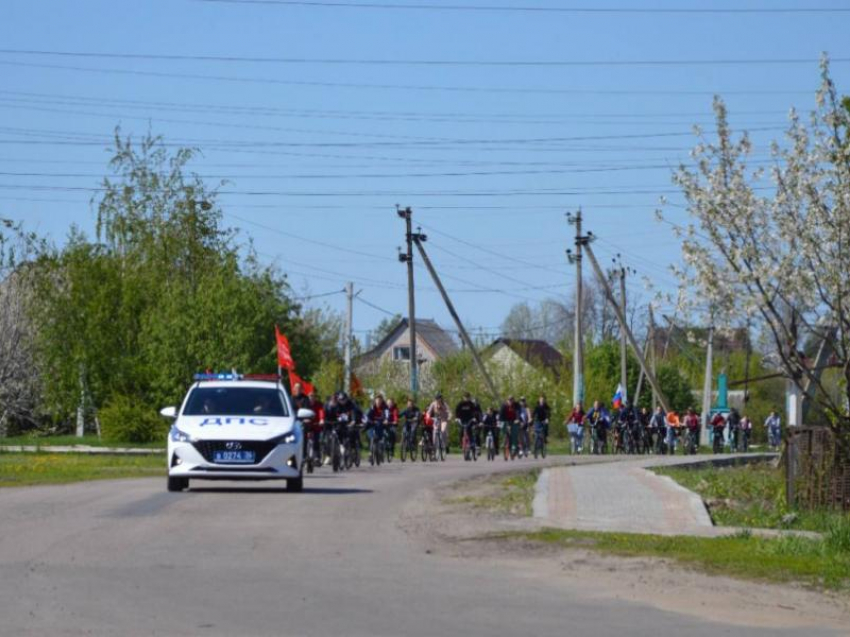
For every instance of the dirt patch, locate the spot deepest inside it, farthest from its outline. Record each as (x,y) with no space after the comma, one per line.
(452,520)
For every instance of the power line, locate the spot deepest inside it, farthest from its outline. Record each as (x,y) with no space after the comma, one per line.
(536,9)
(375,307)
(171,57)
(402,87)
(381,115)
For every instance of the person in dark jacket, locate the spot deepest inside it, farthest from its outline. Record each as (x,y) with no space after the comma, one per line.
(540,415)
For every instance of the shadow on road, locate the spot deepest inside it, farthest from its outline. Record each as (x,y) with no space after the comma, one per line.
(261,490)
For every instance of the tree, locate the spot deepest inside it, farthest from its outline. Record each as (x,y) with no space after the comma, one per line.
(385,327)
(165,291)
(19,374)
(781,257)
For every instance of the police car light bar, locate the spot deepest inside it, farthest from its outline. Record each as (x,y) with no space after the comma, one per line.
(235,376)
(220,376)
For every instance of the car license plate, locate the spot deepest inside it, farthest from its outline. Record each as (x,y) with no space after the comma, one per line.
(234,457)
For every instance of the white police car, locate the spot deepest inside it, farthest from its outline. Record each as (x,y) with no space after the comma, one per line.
(233,427)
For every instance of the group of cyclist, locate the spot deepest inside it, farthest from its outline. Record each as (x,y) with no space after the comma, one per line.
(514,429)
(334,435)
(628,430)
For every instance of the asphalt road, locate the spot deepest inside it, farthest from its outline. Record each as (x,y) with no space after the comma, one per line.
(128,558)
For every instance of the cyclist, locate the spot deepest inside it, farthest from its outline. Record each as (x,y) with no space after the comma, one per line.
(718,424)
(300,400)
(599,420)
(438,411)
(410,421)
(643,424)
(391,424)
(575,427)
(465,412)
(376,420)
(774,430)
(658,428)
(509,417)
(734,422)
(490,424)
(524,424)
(746,431)
(674,427)
(350,415)
(479,418)
(540,415)
(316,425)
(692,425)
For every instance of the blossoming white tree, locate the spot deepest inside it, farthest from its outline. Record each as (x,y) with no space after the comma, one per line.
(779,254)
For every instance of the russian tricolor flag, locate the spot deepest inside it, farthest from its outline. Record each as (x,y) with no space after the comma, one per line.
(618,397)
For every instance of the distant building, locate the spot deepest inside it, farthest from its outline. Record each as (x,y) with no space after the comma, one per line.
(510,355)
(433,343)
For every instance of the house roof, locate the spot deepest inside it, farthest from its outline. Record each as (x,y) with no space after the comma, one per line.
(434,336)
(534,352)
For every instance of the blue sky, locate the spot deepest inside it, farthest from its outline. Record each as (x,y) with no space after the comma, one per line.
(325,151)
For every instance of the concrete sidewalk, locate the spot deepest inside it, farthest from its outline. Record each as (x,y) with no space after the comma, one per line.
(624,496)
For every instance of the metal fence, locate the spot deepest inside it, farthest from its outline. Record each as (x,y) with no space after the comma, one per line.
(817,476)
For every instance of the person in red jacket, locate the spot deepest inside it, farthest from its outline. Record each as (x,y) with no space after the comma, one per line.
(316,425)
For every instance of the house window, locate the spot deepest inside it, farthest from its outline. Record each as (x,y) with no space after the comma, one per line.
(401,353)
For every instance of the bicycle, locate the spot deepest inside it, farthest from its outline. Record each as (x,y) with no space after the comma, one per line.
(333,447)
(690,446)
(539,442)
(717,441)
(490,444)
(309,457)
(468,446)
(512,441)
(408,444)
(439,443)
(426,445)
(376,444)
(353,446)
(389,442)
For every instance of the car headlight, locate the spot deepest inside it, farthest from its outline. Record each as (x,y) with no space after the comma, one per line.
(288,439)
(179,436)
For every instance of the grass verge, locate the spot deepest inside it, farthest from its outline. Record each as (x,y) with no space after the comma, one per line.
(26,469)
(70,441)
(750,496)
(512,495)
(817,563)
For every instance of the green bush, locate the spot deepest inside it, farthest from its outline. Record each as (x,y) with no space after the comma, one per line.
(125,420)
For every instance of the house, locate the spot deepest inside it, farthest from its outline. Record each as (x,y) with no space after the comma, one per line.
(518,355)
(432,344)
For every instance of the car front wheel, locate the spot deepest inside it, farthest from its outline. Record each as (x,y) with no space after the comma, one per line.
(177,484)
(295,485)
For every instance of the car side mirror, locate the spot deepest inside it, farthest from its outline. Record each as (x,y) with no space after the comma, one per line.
(306,414)
(168,412)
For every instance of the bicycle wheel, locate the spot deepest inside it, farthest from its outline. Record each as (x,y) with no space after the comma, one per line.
(441,449)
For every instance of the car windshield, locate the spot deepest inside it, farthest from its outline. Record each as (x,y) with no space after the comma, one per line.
(235,401)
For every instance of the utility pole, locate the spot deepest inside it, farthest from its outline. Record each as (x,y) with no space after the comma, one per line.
(419,238)
(652,352)
(624,378)
(707,384)
(407,215)
(349,335)
(578,337)
(650,376)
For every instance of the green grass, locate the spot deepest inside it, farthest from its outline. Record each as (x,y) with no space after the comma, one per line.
(26,469)
(814,562)
(512,495)
(64,441)
(751,495)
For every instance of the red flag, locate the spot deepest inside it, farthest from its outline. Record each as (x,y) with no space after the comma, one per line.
(296,379)
(284,354)
(356,385)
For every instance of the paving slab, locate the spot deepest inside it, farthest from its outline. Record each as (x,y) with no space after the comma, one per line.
(625,496)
